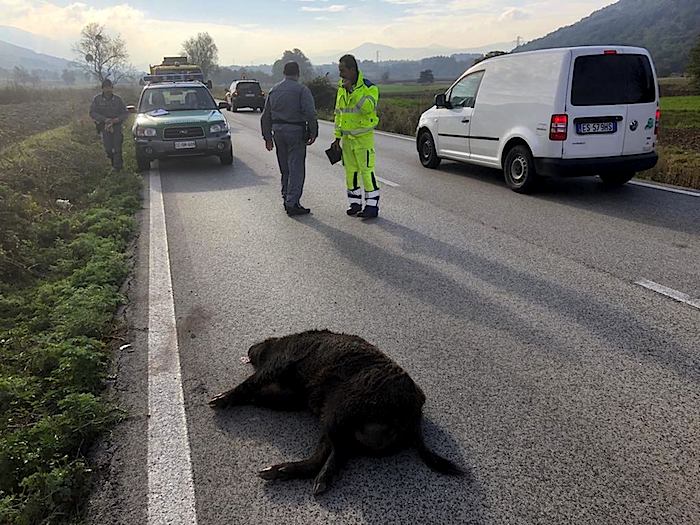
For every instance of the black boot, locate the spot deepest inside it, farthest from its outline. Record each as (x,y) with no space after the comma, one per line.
(370,212)
(354,209)
(297,209)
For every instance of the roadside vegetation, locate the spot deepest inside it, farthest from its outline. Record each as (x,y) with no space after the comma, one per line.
(66,226)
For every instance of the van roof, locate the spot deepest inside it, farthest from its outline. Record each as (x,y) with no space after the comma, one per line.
(556,50)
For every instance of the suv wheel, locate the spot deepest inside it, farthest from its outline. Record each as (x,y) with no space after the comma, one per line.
(519,170)
(143,163)
(227,158)
(616,179)
(427,151)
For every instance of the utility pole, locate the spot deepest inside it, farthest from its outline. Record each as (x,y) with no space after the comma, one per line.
(377,56)
(519,41)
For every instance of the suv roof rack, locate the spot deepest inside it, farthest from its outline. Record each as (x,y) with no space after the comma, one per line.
(174,77)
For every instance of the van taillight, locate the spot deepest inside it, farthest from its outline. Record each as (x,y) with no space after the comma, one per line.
(610,52)
(658,120)
(559,127)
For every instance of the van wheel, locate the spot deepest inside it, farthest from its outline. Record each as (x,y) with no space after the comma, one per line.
(616,179)
(519,170)
(427,151)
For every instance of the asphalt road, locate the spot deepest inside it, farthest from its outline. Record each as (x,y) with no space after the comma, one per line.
(569,393)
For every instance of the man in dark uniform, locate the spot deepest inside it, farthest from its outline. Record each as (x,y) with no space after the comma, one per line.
(109,112)
(289,124)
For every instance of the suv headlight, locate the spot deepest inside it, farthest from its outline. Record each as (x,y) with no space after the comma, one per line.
(218,127)
(145,132)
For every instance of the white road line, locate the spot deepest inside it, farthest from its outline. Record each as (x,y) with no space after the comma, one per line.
(665,188)
(669,292)
(388,182)
(171,497)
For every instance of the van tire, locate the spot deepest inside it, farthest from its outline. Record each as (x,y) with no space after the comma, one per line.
(616,179)
(519,169)
(427,151)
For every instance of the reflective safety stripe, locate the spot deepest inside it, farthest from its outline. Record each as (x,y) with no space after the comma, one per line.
(372,202)
(362,101)
(372,194)
(358,131)
(355,200)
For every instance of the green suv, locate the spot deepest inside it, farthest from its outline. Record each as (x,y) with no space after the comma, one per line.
(176,119)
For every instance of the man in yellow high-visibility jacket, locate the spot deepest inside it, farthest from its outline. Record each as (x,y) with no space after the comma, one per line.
(355,120)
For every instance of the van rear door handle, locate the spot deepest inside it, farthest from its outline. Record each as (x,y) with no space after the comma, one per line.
(465,120)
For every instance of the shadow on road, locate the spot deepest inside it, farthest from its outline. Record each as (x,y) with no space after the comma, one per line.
(195,175)
(428,284)
(648,206)
(396,489)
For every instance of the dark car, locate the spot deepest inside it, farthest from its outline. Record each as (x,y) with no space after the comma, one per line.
(245,94)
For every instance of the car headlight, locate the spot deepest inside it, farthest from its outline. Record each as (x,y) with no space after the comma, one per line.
(145,132)
(218,127)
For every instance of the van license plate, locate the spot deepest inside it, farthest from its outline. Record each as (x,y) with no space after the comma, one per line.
(589,128)
(187,144)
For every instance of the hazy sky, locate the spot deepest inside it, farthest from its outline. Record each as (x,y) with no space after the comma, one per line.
(259,30)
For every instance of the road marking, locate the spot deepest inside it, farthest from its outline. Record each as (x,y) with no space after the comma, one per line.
(670,292)
(388,182)
(171,497)
(665,188)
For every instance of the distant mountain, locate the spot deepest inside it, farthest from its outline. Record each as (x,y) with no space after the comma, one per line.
(37,43)
(668,28)
(368,51)
(12,55)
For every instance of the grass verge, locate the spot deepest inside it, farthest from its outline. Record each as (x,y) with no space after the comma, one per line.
(60,274)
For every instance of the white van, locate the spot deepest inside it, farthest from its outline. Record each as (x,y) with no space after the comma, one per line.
(570,111)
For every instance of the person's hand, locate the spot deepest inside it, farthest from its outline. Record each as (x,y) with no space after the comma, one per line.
(269,145)
(336,144)
(310,141)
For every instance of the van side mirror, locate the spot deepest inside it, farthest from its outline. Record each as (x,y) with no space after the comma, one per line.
(131,109)
(224,105)
(441,101)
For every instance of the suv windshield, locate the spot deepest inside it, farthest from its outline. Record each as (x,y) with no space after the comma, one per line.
(607,80)
(176,99)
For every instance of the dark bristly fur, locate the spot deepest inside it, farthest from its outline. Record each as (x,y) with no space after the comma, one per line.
(366,403)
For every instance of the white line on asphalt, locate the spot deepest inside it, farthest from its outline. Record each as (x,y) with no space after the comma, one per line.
(669,292)
(388,182)
(170,488)
(665,188)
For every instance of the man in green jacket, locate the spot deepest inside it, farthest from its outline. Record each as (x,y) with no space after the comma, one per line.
(355,120)
(109,112)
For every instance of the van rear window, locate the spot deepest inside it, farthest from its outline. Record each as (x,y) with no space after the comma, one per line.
(248,87)
(607,80)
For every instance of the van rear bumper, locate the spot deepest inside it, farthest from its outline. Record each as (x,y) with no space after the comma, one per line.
(595,166)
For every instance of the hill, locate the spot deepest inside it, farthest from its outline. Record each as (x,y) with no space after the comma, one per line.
(12,55)
(668,28)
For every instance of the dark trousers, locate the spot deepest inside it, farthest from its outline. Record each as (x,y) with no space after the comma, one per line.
(112,141)
(291,156)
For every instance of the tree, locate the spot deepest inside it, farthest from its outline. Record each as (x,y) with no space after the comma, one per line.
(101,55)
(693,68)
(69,77)
(22,76)
(295,55)
(202,50)
(324,93)
(426,77)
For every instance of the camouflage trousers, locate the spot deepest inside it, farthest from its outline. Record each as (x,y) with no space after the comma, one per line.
(112,141)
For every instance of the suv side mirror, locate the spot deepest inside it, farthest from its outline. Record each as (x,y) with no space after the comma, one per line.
(441,101)
(131,109)
(224,105)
